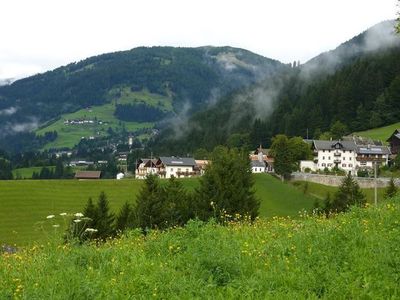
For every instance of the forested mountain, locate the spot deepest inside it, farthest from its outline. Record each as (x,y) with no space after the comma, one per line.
(202,97)
(357,84)
(190,77)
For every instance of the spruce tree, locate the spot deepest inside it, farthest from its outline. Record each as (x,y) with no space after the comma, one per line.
(124,218)
(349,194)
(104,218)
(149,204)
(226,188)
(391,190)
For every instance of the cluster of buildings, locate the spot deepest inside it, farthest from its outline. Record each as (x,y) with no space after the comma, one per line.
(185,167)
(83,122)
(350,155)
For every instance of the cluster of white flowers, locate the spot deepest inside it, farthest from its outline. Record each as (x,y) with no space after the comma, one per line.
(56,225)
(79,215)
(77,220)
(63,214)
(50,216)
(90,230)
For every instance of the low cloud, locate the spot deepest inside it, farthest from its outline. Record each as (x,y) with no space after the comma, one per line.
(9,128)
(8,111)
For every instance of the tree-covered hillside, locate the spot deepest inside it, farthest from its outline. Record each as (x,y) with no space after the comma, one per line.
(357,84)
(190,77)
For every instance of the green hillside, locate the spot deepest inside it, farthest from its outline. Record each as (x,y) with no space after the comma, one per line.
(381,133)
(26,202)
(70,135)
(351,256)
(180,77)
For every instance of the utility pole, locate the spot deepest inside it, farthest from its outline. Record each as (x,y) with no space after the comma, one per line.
(376,185)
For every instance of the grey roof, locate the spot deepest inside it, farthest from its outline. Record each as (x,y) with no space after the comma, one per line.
(257,164)
(330,145)
(178,161)
(373,150)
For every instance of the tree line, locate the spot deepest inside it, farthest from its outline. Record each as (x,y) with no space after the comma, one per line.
(225,193)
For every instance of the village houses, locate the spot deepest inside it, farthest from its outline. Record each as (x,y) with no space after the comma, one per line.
(167,167)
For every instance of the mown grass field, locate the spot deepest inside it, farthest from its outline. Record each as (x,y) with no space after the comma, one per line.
(351,256)
(26,203)
(26,173)
(381,133)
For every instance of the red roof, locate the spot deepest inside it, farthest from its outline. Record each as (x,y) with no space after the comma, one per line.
(88,175)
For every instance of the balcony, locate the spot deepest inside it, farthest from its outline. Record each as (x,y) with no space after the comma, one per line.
(337,154)
(337,161)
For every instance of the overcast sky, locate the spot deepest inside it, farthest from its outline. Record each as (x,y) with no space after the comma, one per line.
(43,34)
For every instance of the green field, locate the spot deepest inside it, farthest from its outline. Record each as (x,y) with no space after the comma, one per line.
(26,173)
(24,203)
(70,135)
(354,255)
(381,133)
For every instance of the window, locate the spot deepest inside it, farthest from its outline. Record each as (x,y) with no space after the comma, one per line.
(323,157)
(323,151)
(329,158)
(344,165)
(350,165)
(323,165)
(172,169)
(329,165)
(344,158)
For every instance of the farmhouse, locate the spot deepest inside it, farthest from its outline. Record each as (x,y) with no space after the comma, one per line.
(394,141)
(88,175)
(166,167)
(345,155)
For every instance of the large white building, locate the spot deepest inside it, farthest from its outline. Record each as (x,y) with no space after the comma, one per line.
(345,155)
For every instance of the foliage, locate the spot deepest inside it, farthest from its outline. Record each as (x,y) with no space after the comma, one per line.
(391,190)
(348,194)
(226,188)
(5,169)
(138,112)
(287,153)
(280,258)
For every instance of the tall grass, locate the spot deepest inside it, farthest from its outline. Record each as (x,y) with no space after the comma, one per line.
(353,255)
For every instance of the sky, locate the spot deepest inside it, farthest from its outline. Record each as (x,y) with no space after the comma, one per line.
(41,35)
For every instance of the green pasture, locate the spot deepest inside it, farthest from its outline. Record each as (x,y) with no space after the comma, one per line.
(26,203)
(381,133)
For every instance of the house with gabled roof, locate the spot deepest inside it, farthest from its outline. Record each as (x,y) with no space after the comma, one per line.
(144,167)
(394,142)
(176,166)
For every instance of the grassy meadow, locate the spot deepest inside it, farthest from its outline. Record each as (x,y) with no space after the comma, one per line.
(351,256)
(24,204)
(70,135)
(381,133)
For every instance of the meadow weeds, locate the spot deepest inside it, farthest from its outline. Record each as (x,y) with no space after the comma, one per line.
(351,255)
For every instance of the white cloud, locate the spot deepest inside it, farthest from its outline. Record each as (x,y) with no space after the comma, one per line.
(44,34)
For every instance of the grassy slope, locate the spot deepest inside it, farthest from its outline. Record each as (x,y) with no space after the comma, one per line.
(351,256)
(25,202)
(70,135)
(28,172)
(382,133)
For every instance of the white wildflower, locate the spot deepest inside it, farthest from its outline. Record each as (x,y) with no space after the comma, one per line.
(79,215)
(56,225)
(63,214)
(90,230)
(77,220)
(50,216)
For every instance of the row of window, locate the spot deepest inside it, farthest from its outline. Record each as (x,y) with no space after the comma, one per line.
(329,158)
(343,165)
(344,151)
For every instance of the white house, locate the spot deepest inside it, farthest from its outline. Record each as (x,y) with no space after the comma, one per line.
(345,155)
(120,176)
(257,166)
(144,167)
(176,166)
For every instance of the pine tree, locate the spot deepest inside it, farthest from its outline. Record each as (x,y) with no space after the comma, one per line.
(149,204)
(175,201)
(59,169)
(349,194)
(391,190)
(104,218)
(124,218)
(227,186)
